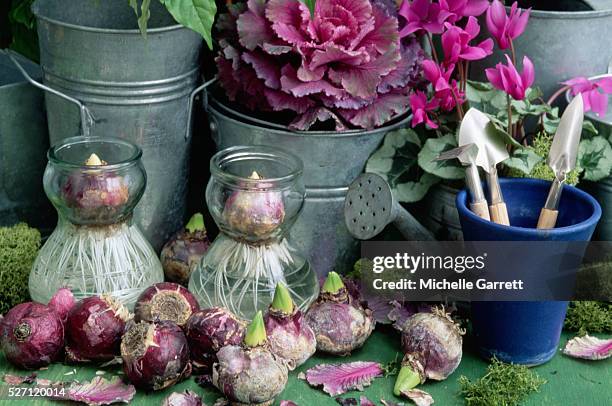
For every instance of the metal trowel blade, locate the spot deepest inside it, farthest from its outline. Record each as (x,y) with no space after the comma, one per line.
(476,128)
(466,154)
(564,148)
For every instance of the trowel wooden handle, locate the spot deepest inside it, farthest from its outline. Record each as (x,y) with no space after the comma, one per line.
(548,218)
(499,214)
(481,209)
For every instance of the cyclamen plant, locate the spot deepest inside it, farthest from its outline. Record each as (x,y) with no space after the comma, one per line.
(334,60)
(406,158)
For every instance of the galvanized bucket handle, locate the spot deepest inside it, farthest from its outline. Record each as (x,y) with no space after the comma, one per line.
(87,119)
(192,97)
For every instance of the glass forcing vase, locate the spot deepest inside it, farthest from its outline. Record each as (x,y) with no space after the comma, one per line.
(254,195)
(96,248)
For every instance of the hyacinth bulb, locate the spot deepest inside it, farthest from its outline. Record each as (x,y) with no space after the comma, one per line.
(289,335)
(250,374)
(183,252)
(31,335)
(208,331)
(94,189)
(255,211)
(432,344)
(166,301)
(340,323)
(155,355)
(94,328)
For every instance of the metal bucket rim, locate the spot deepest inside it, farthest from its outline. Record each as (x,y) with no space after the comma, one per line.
(568,15)
(121,31)
(592,117)
(132,160)
(323,134)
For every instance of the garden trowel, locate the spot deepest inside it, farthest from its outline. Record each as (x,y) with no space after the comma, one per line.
(467,156)
(562,158)
(476,128)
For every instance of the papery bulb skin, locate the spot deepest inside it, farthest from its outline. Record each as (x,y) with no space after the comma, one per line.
(94,329)
(183,252)
(208,331)
(340,323)
(155,355)
(62,302)
(166,301)
(255,211)
(31,335)
(250,374)
(289,336)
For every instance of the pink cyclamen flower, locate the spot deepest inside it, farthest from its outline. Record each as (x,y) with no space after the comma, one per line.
(456,43)
(420,109)
(503,27)
(507,78)
(422,15)
(594,93)
(463,8)
(445,89)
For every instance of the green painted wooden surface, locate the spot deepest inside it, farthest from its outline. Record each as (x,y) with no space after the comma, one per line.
(570,382)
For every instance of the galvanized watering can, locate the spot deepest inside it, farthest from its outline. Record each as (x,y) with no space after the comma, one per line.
(135,88)
(332,160)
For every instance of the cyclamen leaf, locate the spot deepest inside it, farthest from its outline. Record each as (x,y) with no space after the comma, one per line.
(450,169)
(595,157)
(523,159)
(197,15)
(588,347)
(99,391)
(340,378)
(410,192)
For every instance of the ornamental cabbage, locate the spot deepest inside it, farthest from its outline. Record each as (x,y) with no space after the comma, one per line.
(343,61)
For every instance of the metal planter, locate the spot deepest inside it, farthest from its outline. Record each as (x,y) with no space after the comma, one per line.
(23,148)
(136,88)
(332,160)
(561,44)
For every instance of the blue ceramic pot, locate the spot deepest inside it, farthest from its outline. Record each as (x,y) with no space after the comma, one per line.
(526,332)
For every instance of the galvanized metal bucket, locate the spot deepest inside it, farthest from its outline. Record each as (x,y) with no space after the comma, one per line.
(601,190)
(332,160)
(136,88)
(439,213)
(23,149)
(561,45)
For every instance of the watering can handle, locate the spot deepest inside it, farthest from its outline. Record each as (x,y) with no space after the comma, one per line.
(87,119)
(192,96)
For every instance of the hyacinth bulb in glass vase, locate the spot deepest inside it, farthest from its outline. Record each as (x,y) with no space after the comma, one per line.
(254,195)
(96,248)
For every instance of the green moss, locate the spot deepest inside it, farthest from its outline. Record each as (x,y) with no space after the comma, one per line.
(502,385)
(18,248)
(541,145)
(589,317)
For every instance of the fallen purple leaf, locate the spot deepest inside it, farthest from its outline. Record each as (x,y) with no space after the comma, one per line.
(187,398)
(99,391)
(418,397)
(287,403)
(340,378)
(587,347)
(19,379)
(363,401)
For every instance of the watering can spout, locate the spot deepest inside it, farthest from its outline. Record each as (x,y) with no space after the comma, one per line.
(370,206)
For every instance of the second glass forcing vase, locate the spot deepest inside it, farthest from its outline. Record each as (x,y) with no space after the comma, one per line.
(254,195)
(96,248)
